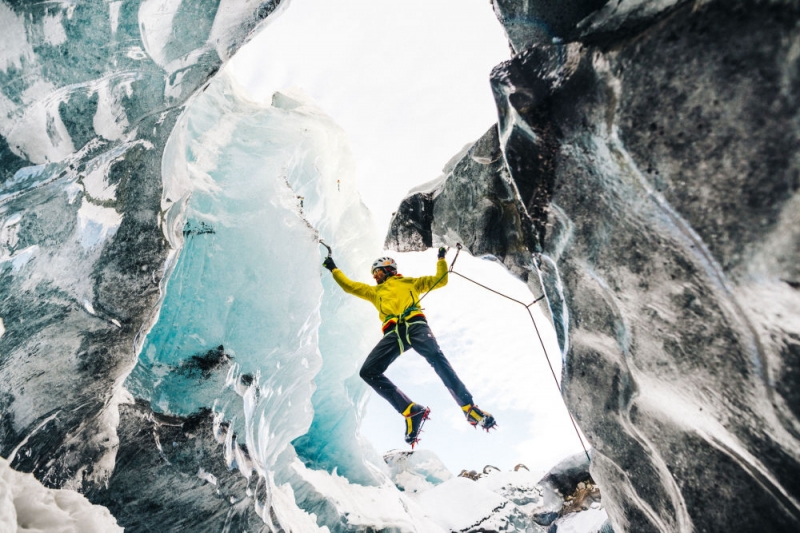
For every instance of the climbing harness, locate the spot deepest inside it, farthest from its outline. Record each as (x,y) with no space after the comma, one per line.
(415,306)
(401,320)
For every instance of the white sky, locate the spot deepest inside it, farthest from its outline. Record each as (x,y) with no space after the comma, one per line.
(409,83)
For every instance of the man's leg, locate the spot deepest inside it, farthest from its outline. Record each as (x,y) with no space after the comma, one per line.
(378,360)
(423,341)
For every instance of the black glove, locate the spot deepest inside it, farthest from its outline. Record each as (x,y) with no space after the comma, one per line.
(329,264)
(442,252)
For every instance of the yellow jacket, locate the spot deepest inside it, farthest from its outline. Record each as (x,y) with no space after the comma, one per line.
(392,297)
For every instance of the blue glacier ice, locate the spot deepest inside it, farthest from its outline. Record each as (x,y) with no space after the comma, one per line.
(255,188)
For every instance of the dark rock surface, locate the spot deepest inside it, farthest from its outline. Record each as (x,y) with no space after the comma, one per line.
(527,23)
(565,476)
(165,464)
(475,205)
(656,157)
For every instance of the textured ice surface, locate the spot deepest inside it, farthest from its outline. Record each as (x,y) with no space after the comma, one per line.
(656,160)
(85,113)
(249,326)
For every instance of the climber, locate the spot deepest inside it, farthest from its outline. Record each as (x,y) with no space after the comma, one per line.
(404,326)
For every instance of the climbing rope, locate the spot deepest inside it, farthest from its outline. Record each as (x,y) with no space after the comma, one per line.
(535,327)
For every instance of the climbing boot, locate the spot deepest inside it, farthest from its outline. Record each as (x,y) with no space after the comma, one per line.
(416,415)
(478,417)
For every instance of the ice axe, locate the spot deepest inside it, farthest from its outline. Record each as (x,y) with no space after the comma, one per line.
(330,252)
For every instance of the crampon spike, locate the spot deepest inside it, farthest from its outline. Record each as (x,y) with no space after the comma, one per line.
(425,417)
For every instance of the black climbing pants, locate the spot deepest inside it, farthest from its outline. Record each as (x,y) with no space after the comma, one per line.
(388,349)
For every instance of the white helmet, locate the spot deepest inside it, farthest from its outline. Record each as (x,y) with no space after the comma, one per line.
(384,262)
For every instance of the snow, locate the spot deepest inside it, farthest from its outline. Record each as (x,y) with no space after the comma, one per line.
(155,27)
(96,223)
(54,33)
(39,134)
(589,521)
(379,508)
(113,14)
(460,503)
(289,515)
(14,45)
(22,257)
(416,471)
(110,121)
(26,506)
(95,179)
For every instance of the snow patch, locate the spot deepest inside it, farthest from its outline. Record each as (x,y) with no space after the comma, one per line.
(289,514)
(54,33)
(155,27)
(589,521)
(113,15)
(416,471)
(228,23)
(14,44)
(39,135)
(460,504)
(110,120)
(2,327)
(379,508)
(95,180)
(96,223)
(21,258)
(207,476)
(136,53)
(27,506)
(8,235)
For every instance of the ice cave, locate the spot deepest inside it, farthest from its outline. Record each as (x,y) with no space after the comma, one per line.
(174,356)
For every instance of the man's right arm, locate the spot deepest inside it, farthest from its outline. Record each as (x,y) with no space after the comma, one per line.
(356,288)
(362,290)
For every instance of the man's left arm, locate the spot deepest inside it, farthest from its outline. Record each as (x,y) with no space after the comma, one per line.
(428,283)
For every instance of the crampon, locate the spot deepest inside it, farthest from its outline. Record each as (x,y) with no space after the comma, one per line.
(415,419)
(480,418)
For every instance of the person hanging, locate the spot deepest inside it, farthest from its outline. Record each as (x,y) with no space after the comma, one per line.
(404,326)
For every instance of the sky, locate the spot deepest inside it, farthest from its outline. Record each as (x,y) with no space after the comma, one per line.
(409,83)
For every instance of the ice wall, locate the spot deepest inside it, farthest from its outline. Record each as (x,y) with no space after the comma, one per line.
(246,308)
(90,94)
(652,147)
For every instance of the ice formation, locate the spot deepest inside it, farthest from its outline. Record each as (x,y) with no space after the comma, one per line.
(143,216)
(642,173)
(649,162)
(247,323)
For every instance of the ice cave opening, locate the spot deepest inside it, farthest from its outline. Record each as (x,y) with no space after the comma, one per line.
(252,328)
(174,357)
